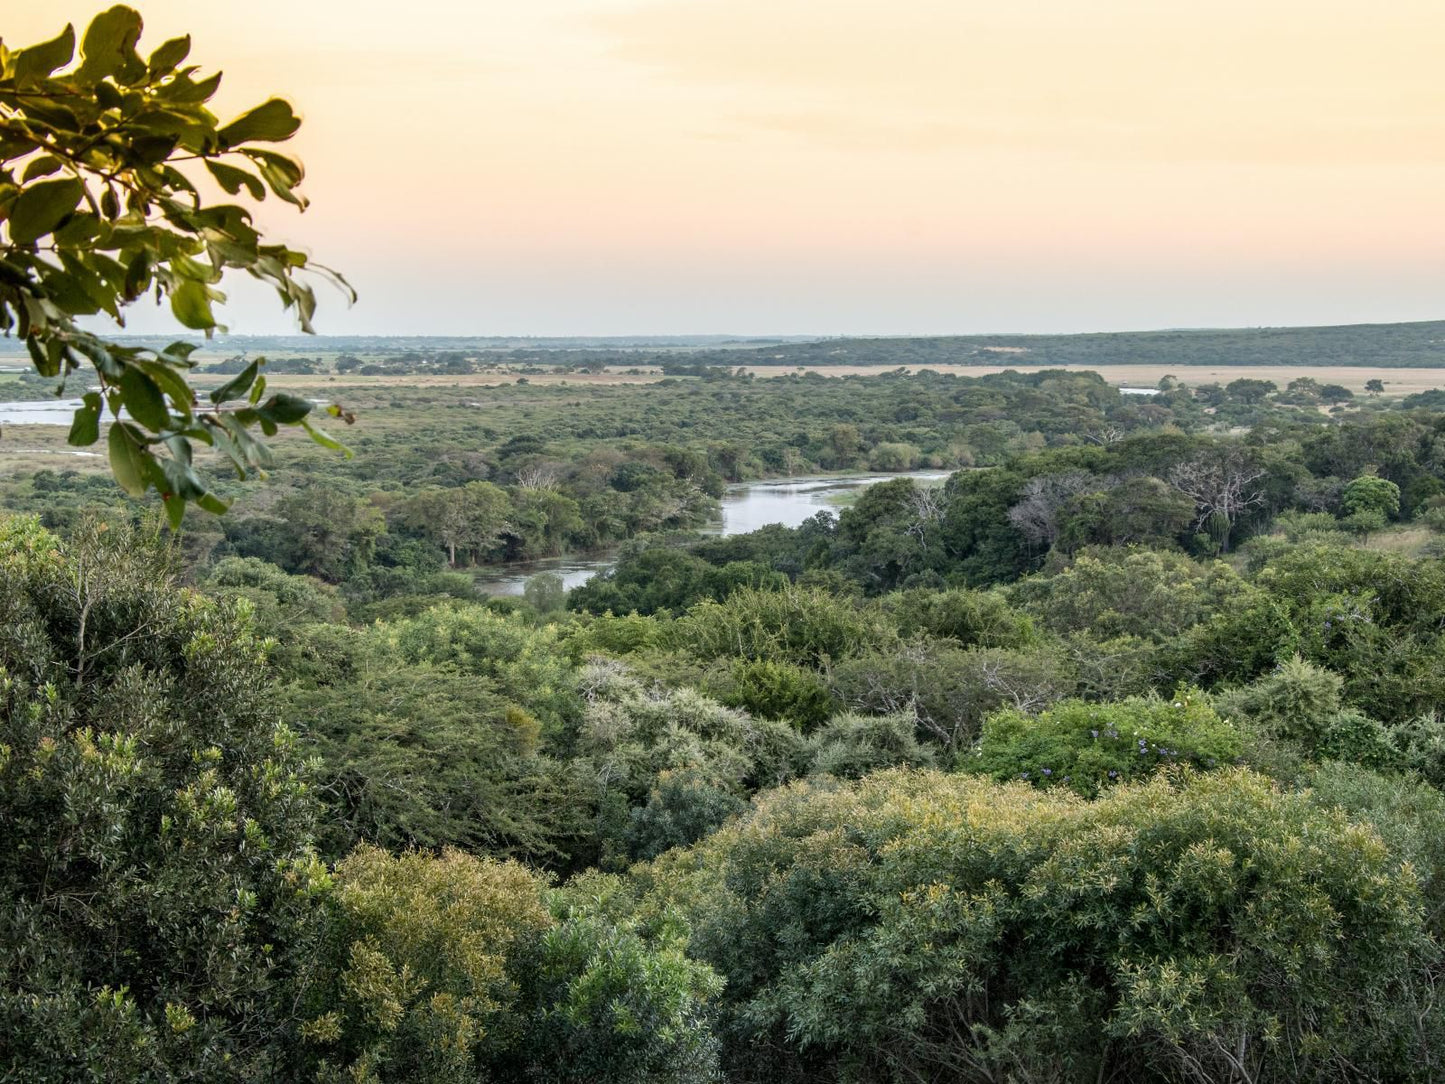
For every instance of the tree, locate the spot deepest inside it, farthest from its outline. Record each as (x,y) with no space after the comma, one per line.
(99,211)
(158,887)
(1369,494)
(1222,484)
(1375,386)
(1250,391)
(921,926)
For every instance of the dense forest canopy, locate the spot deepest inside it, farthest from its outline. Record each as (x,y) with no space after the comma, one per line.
(1118,754)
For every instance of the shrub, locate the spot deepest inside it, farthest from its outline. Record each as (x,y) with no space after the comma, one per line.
(1087,746)
(609,996)
(948,690)
(774,690)
(852,745)
(157,882)
(802,626)
(421,983)
(922,926)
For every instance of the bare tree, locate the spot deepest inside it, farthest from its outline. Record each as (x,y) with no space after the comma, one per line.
(1044,496)
(538,476)
(926,502)
(1222,486)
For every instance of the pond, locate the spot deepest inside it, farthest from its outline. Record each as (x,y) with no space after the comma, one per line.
(745,507)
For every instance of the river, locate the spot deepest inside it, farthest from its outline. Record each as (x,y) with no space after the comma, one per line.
(745,507)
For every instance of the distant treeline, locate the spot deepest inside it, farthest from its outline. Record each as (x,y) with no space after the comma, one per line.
(1413,345)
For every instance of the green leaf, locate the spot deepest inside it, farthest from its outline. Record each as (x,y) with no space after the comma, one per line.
(238,386)
(233,180)
(164,60)
(192,305)
(43,166)
(137,275)
(213,504)
(280,183)
(179,352)
(325,439)
(172,383)
(144,400)
(85,427)
(175,510)
(270,122)
(128,460)
(44,364)
(109,46)
(286,409)
(38,61)
(41,207)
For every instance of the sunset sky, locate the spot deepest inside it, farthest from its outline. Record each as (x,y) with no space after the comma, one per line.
(843,166)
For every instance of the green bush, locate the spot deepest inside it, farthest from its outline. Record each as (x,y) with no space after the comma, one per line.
(419,991)
(158,886)
(773,690)
(801,626)
(918,926)
(850,745)
(606,995)
(947,689)
(1087,746)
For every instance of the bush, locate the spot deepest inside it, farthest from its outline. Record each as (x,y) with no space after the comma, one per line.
(918,926)
(982,618)
(773,690)
(157,883)
(681,809)
(802,626)
(949,691)
(851,745)
(609,996)
(1088,746)
(420,988)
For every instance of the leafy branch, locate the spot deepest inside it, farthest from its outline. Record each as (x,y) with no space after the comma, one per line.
(97,213)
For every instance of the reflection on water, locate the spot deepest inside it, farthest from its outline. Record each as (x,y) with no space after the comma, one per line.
(745,507)
(41,412)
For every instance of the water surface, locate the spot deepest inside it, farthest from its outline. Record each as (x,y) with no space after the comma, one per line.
(746,507)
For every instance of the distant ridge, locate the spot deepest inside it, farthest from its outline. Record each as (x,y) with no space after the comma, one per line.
(1409,345)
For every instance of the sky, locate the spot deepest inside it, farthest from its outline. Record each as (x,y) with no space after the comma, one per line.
(553,167)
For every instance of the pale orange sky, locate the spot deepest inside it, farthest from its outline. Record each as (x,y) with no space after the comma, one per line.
(836,166)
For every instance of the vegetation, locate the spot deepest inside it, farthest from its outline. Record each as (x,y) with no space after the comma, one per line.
(98,211)
(1118,755)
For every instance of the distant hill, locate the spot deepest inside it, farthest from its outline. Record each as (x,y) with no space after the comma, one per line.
(1416,345)
(1413,345)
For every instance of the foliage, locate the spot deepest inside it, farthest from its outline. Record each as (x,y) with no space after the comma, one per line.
(420,980)
(773,690)
(422,755)
(610,995)
(1127,592)
(1368,493)
(99,211)
(948,691)
(1088,747)
(158,885)
(797,625)
(523,663)
(920,926)
(852,745)
(667,763)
